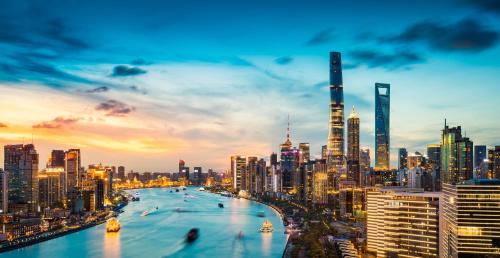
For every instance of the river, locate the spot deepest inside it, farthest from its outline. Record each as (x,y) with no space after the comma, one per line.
(162,232)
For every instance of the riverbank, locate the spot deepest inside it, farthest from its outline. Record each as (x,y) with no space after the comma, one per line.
(28,241)
(49,235)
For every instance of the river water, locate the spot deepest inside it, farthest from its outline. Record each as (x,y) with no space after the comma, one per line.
(162,232)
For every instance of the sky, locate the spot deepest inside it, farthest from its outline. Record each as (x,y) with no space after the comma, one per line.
(146,83)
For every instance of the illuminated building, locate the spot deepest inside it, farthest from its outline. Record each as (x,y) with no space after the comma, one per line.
(320,182)
(335,146)
(415,160)
(121,173)
(197,171)
(402,158)
(469,224)
(496,162)
(479,155)
(52,187)
(73,167)
(456,156)
(248,180)
(182,164)
(364,165)
(402,223)
(382,125)
(4,191)
(21,163)
(261,172)
(289,161)
(238,166)
(105,174)
(434,163)
(353,147)
(305,154)
(324,152)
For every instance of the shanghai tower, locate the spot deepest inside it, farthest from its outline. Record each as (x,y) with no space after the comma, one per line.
(336,127)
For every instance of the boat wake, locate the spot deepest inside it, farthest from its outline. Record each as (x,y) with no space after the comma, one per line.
(175,248)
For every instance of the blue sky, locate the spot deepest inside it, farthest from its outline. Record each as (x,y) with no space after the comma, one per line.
(145,83)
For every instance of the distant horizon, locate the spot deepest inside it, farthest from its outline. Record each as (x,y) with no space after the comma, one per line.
(148,89)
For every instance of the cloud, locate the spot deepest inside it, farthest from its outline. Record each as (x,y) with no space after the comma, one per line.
(57,122)
(467,35)
(284,60)
(2,125)
(485,5)
(115,108)
(123,70)
(322,37)
(373,59)
(98,89)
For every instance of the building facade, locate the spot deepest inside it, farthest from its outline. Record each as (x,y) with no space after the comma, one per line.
(21,164)
(469,222)
(456,156)
(402,222)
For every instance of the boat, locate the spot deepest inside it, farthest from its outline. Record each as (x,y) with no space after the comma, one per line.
(192,235)
(184,188)
(171,191)
(221,205)
(177,190)
(145,213)
(201,189)
(267,227)
(261,214)
(113,225)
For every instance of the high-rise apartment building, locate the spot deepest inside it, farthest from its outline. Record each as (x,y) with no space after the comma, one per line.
(496,162)
(21,164)
(238,167)
(121,173)
(382,126)
(73,168)
(353,171)
(402,223)
(469,225)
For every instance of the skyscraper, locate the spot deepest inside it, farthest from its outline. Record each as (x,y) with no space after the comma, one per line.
(382,129)
(56,158)
(21,163)
(305,155)
(364,165)
(469,219)
(198,175)
(121,173)
(479,155)
(238,166)
(353,147)
(335,145)
(496,163)
(456,156)
(4,192)
(74,175)
(402,159)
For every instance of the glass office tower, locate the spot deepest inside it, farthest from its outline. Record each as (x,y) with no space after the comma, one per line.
(382,130)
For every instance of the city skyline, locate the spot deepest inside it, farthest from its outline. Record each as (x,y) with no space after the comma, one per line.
(131,99)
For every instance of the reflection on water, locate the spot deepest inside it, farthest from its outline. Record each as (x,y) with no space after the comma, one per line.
(111,244)
(162,233)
